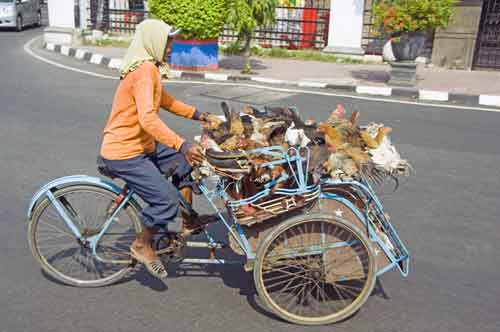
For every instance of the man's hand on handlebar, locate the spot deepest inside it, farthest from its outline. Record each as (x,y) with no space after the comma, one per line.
(210,121)
(194,155)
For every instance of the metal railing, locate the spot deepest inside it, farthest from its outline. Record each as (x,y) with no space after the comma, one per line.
(295,27)
(487,53)
(116,20)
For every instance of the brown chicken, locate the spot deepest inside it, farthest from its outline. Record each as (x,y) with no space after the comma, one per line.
(336,115)
(343,141)
(374,143)
(236,127)
(333,138)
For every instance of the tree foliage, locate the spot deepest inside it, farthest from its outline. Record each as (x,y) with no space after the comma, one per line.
(244,16)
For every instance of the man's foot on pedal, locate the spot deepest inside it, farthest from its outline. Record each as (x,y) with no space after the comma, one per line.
(146,256)
(196,224)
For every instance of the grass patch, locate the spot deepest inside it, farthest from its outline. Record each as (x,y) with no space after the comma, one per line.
(107,42)
(308,55)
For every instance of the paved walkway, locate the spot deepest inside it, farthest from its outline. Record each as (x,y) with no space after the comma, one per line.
(429,78)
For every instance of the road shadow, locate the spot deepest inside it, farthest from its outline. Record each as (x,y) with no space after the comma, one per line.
(377,76)
(236,62)
(232,276)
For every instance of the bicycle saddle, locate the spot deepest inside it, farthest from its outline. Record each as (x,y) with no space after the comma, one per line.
(103,169)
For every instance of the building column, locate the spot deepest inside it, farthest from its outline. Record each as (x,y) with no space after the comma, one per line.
(346,27)
(84,4)
(61,22)
(454,45)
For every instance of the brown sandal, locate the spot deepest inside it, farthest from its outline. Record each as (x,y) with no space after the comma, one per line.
(154,267)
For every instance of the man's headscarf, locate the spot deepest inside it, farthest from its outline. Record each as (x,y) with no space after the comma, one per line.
(148,44)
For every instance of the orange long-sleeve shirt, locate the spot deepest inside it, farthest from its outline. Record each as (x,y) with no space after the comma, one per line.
(134,125)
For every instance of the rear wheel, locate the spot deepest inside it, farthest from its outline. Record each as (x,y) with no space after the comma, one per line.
(72,261)
(315,269)
(19,23)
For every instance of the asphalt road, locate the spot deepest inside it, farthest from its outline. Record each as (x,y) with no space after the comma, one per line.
(50,126)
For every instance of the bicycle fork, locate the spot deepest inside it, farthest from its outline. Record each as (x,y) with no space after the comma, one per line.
(68,214)
(112,212)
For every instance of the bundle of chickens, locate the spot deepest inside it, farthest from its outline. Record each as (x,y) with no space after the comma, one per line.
(338,147)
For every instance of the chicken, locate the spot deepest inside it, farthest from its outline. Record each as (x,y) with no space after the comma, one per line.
(248,126)
(230,133)
(236,127)
(354,118)
(348,131)
(209,144)
(345,143)
(339,165)
(373,143)
(332,136)
(234,143)
(336,115)
(285,114)
(277,137)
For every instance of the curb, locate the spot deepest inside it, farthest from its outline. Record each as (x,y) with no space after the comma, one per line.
(420,95)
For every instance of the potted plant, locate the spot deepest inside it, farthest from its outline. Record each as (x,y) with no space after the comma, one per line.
(407,23)
(201,22)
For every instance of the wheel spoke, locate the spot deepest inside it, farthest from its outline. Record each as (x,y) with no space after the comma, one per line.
(318,286)
(67,258)
(345,289)
(292,274)
(60,231)
(297,296)
(288,288)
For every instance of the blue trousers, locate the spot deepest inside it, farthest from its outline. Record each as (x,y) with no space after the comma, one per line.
(147,176)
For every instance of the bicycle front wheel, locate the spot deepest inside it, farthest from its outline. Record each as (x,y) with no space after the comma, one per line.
(70,260)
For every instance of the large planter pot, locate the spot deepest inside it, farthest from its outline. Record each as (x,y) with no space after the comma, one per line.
(408,46)
(195,55)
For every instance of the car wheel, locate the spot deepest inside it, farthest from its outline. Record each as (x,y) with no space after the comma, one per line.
(19,23)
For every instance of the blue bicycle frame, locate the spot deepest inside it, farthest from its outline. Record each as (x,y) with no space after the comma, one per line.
(297,160)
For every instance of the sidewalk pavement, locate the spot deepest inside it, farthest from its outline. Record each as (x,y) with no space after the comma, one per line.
(439,84)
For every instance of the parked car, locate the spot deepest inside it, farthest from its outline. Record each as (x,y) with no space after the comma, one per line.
(20,13)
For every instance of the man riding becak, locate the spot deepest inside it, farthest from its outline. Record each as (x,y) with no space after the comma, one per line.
(141,149)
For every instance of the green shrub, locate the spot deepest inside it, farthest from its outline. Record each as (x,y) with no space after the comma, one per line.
(198,19)
(397,16)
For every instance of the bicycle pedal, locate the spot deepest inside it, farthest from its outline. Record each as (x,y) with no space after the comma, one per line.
(193,231)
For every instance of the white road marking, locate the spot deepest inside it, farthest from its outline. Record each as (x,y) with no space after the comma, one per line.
(433,95)
(96,59)
(306,84)
(374,90)
(115,63)
(267,80)
(27,49)
(80,54)
(489,100)
(175,73)
(65,50)
(216,77)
